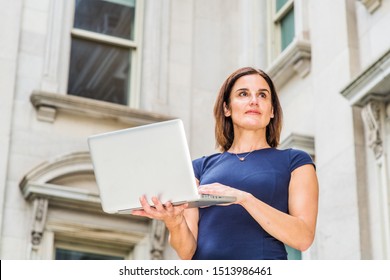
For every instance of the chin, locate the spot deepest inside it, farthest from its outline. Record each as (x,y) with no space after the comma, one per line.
(252,125)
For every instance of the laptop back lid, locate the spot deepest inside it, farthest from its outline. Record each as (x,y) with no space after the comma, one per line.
(151,160)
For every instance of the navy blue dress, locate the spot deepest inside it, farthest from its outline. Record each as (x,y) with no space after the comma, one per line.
(229,232)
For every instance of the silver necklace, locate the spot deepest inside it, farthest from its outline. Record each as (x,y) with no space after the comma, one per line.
(244,157)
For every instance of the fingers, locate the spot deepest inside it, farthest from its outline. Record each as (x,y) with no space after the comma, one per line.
(222,190)
(158,205)
(212,189)
(158,210)
(169,207)
(146,210)
(152,211)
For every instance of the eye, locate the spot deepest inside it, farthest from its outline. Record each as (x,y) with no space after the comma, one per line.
(243,93)
(262,94)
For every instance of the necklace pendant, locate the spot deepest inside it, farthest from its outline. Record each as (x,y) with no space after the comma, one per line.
(241,158)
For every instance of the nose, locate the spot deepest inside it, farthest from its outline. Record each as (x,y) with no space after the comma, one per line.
(254,100)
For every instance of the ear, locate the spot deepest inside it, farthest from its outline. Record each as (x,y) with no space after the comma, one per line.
(226,110)
(272,113)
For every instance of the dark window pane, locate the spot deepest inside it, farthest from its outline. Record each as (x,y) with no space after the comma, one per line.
(106,17)
(293,254)
(63,254)
(287,28)
(280,4)
(99,71)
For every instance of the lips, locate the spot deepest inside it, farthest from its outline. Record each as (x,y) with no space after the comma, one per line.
(253,112)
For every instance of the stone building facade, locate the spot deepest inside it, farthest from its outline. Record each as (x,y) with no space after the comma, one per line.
(330,61)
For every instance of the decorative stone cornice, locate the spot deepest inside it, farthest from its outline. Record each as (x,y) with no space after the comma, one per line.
(58,193)
(48,104)
(371,84)
(36,184)
(295,59)
(64,165)
(299,141)
(371,114)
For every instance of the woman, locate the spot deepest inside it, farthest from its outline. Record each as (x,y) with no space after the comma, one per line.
(276,190)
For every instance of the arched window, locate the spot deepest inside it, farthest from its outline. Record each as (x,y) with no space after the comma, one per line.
(68,221)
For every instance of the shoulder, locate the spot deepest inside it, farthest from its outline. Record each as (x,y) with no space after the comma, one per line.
(200,164)
(206,159)
(298,158)
(290,158)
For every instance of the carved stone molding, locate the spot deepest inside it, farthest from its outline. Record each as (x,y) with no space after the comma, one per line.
(371,5)
(48,104)
(388,111)
(158,236)
(371,118)
(38,226)
(36,183)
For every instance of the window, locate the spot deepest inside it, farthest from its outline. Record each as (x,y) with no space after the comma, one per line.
(293,254)
(103,51)
(64,254)
(289,47)
(283,20)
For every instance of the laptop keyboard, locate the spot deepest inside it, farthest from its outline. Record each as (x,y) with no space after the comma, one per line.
(211,196)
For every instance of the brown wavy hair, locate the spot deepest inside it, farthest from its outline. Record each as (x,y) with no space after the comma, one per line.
(224,133)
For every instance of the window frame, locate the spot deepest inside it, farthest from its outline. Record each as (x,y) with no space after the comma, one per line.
(134,46)
(295,59)
(80,246)
(277,17)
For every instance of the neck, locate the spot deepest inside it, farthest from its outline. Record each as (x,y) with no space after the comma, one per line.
(248,142)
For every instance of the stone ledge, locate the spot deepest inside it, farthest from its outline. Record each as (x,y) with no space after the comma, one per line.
(48,104)
(372,84)
(295,59)
(37,184)
(299,141)
(68,194)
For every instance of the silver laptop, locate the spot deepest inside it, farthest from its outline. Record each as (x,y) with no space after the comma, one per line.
(151,160)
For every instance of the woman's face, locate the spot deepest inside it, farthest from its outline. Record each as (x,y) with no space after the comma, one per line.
(250,103)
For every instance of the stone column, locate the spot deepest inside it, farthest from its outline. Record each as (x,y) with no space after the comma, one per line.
(374,117)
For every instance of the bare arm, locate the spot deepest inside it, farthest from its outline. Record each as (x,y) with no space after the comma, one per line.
(183,236)
(182,224)
(295,229)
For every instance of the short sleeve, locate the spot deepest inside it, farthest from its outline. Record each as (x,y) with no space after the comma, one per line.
(197,164)
(299,158)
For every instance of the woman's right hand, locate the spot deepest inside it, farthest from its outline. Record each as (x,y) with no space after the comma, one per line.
(171,215)
(182,225)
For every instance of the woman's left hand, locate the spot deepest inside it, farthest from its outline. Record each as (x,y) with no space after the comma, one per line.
(223,190)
